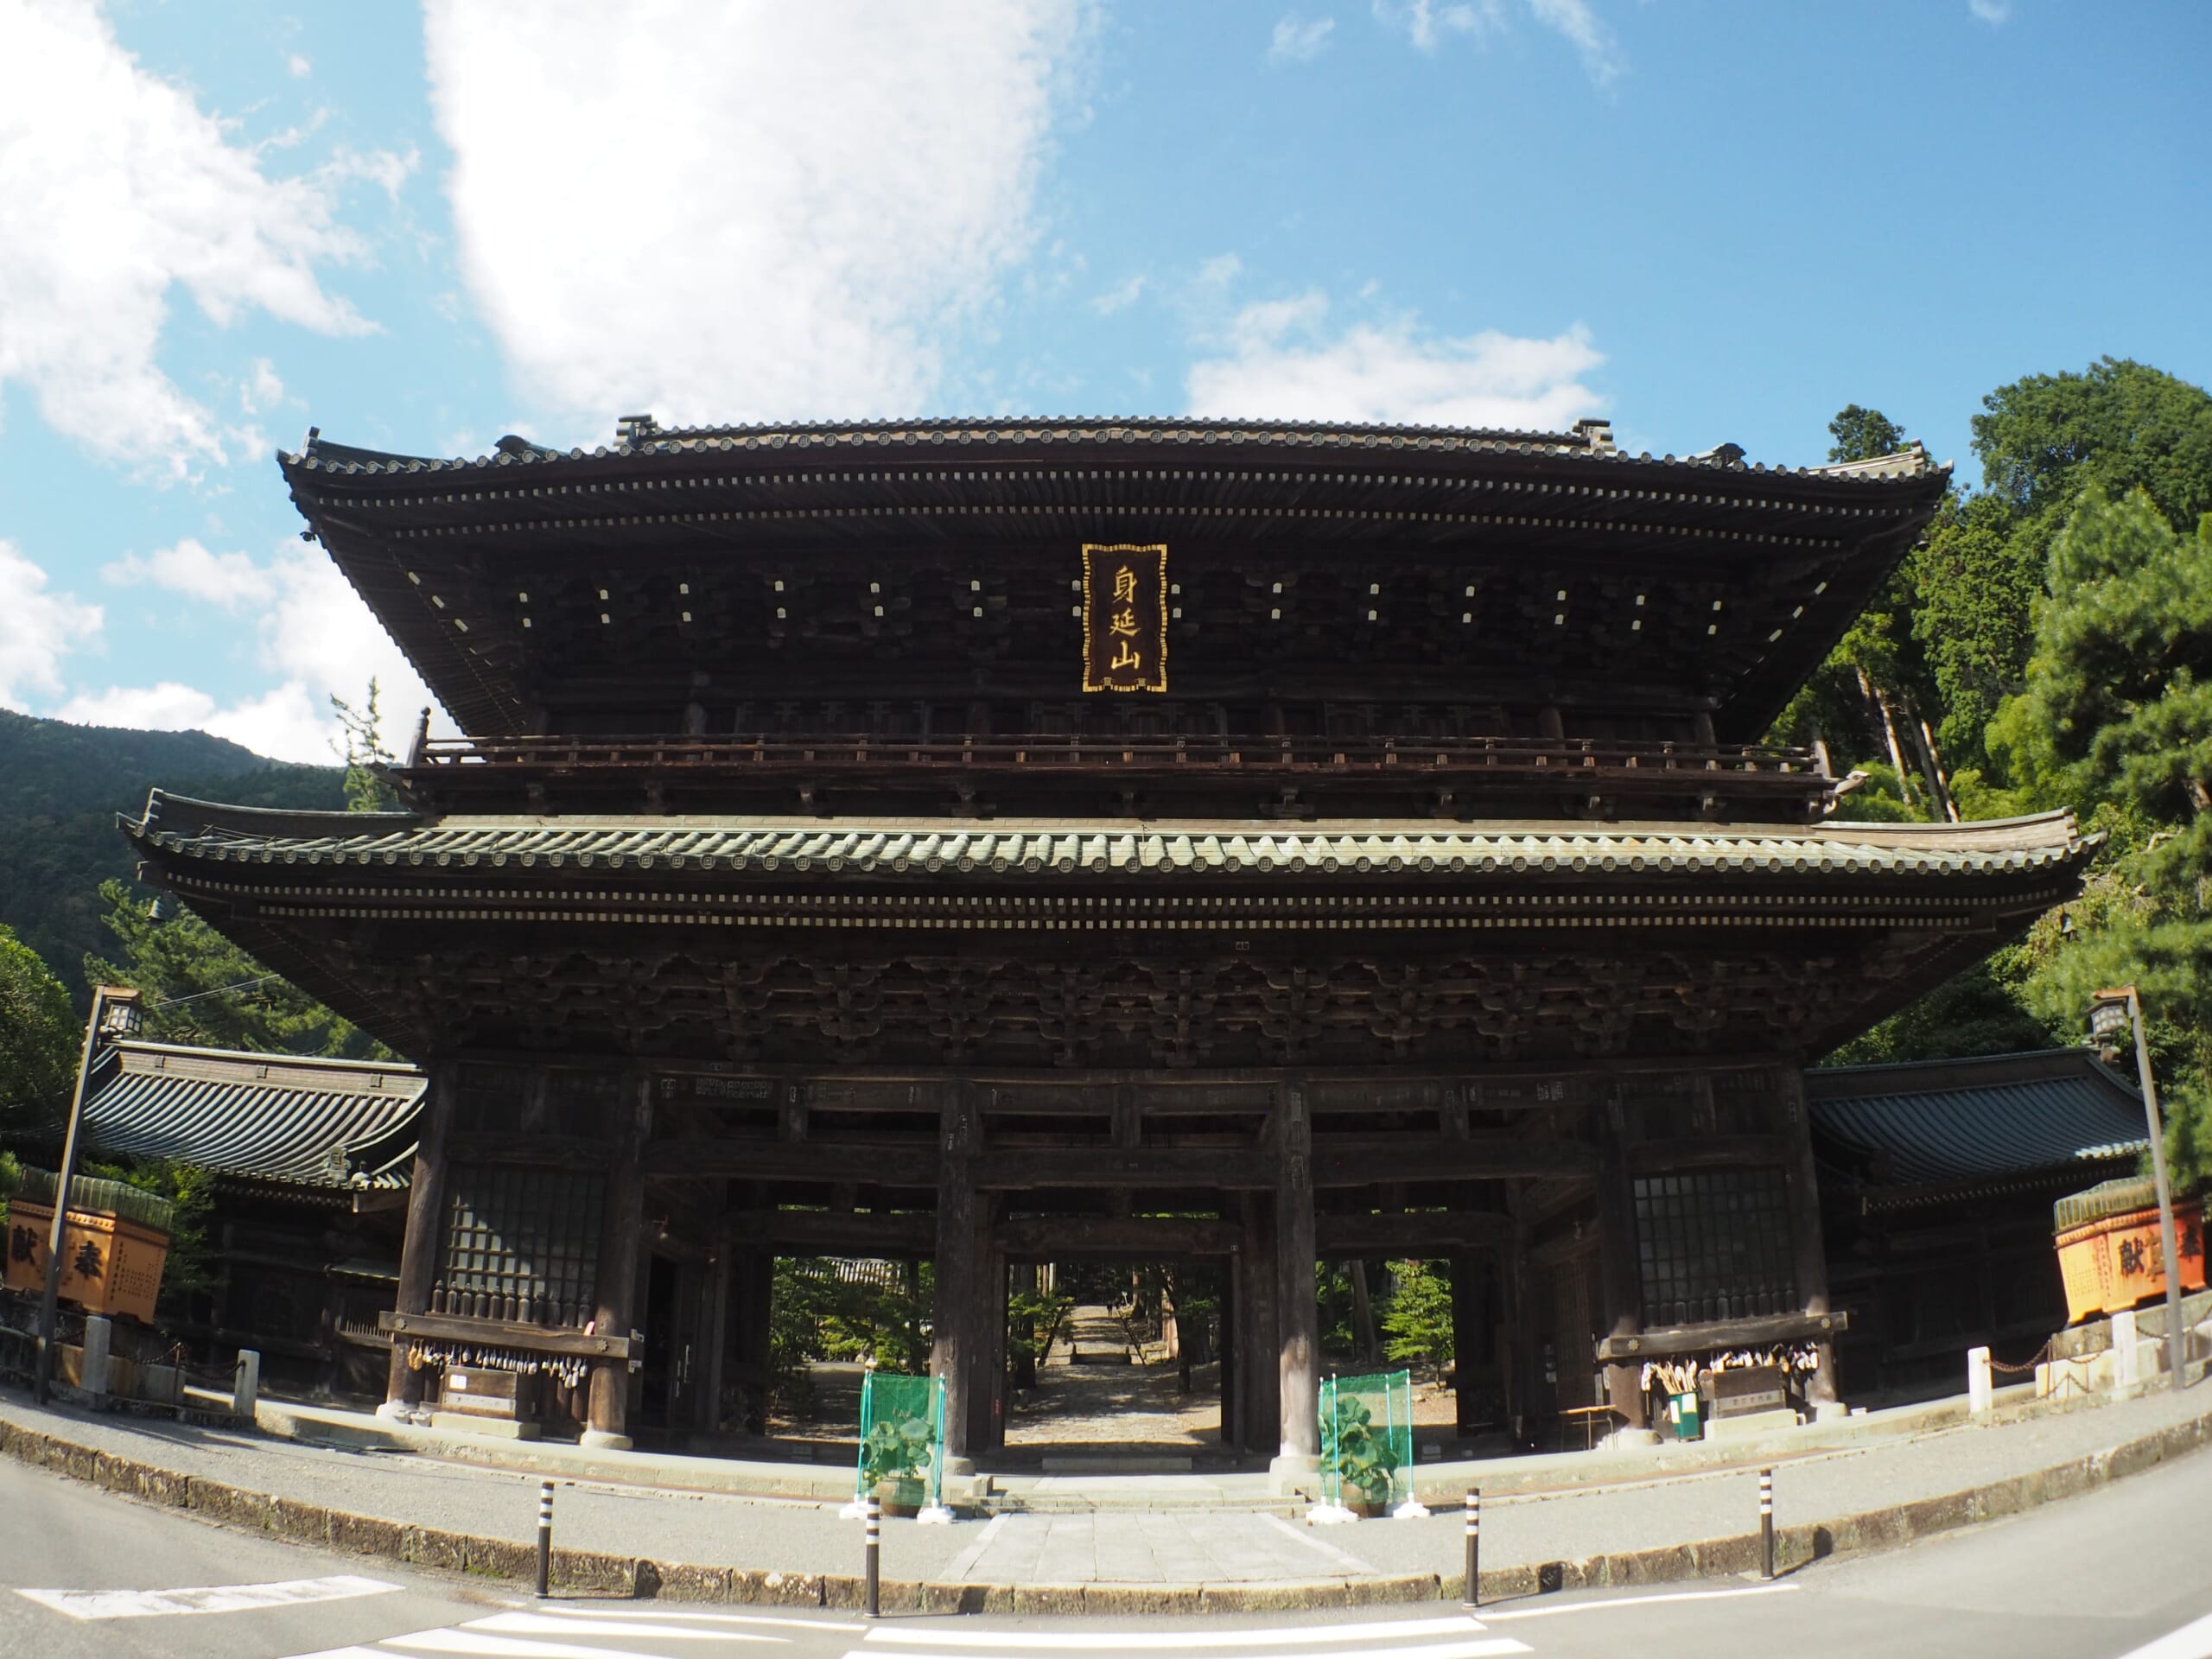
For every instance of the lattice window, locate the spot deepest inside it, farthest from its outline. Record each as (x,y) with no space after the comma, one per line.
(521,1245)
(1714,1244)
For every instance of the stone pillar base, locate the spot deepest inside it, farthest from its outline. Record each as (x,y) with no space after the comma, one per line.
(1295,1473)
(598,1440)
(396,1411)
(1830,1411)
(1629,1440)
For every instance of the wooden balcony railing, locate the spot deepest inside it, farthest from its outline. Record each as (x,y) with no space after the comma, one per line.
(1531,758)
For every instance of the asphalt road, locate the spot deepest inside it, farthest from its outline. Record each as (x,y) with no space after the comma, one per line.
(2127,1571)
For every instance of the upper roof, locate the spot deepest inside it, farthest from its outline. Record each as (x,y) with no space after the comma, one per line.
(278,1118)
(841,561)
(1927,1130)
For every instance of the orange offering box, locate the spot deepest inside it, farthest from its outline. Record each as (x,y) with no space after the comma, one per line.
(115,1241)
(2109,1254)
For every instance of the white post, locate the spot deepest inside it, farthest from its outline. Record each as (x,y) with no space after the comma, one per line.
(2126,1354)
(99,1335)
(246,1384)
(1980,1394)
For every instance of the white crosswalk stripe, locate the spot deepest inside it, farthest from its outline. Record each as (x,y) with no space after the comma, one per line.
(608,1632)
(1177,1641)
(210,1599)
(1457,1638)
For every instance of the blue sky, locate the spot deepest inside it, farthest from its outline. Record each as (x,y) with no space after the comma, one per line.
(221,222)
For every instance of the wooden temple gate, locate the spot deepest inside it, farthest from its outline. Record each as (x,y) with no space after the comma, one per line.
(837,863)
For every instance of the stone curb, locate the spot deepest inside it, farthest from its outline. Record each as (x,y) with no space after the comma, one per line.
(591,1573)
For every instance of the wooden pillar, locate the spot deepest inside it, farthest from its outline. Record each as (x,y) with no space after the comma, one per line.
(714,1335)
(753,1273)
(985,1336)
(1225,1350)
(952,1356)
(1619,1272)
(1793,1123)
(1256,1321)
(1470,1327)
(1517,1350)
(1295,1314)
(615,1303)
(424,1238)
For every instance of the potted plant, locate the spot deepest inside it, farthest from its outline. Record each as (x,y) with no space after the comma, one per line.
(1362,1459)
(895,1464)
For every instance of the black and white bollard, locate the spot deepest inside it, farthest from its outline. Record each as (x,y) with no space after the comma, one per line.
(1766,1523)
(874,1605)
(544,1537)
(1473,1596)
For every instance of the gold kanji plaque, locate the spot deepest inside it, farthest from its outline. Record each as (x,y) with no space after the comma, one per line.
(1124,618)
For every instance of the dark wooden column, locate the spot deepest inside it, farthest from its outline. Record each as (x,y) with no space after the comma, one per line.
(753,1273)
(425,1234)
(953,1356)
(615,1305)
(984,1336)
(1258,1349)
(1470,1333)
(1227,1339)
(714,1334)
(1793,1123)
(1518,1352)
(1619,1274)
(1295,1314)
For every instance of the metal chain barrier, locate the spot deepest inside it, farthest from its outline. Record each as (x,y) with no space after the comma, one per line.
(2037,1359)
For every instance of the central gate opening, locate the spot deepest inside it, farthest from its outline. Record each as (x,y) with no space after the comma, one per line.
(1115,1365)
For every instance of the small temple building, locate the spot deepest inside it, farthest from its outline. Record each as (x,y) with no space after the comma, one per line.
(1005,842)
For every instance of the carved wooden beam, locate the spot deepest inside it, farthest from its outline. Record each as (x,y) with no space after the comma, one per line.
(1143,1236)
(1717,1335)
(1361,1160)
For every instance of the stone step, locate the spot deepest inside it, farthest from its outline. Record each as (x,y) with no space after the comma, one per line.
(1109,1463)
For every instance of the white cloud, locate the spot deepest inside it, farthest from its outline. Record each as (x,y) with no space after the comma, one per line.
(37,628)
(760,210)
(263,391)
(1278,363)
(1296,40)
(114,188)
(299,65)
(168,707)
(316,638)
(1995,13)
(1427,23)
(1220,270)
(1601,54)
(1119,297)
(226,579)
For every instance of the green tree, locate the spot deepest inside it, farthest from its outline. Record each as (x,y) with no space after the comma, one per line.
(1864,701)
(1419,1318)
(201,989)
(1862,434)
(2045,441)
(362,748)
(2118,711)
(40,1035)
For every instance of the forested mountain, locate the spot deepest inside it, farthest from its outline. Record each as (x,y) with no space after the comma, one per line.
(61,787)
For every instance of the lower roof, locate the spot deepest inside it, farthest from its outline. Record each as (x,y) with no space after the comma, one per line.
(1164,850)
(1930,1129)
(279,1118)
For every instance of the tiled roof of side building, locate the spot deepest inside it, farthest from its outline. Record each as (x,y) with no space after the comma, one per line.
(278,1118)
(1591,439)
(1954,1124)
(198,830)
